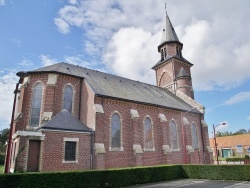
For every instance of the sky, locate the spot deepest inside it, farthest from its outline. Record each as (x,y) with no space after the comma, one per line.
(121,37)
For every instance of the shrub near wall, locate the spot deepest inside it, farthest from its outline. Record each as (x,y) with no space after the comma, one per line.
(104,178)
(217,172)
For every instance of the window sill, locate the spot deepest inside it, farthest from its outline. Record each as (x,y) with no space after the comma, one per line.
(31,128)
(145,149)
(115,149)
(175,149)
(70,161)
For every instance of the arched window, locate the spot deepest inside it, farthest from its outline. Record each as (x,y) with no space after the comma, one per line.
(173,135)
(68,98)
(148,134)
(36,105)
(194,136)
(162,55)
(115,131)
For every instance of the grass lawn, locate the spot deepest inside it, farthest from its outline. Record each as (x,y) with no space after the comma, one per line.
(1,169)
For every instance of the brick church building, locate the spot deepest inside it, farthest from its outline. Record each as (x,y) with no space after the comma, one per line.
(72,118)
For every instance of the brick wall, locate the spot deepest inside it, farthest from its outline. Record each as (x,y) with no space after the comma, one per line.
(132,133)
(53,152)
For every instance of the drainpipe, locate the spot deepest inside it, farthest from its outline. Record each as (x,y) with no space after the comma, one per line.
(92,149)
(202,140)
(80,100)
(183,139)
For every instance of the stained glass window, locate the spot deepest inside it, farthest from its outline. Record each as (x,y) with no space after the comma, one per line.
(173,135)
(115,131)
(36,105)
(194,137)
(68,97)
(148,134)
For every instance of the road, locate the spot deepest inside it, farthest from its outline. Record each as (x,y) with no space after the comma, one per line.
(189,183)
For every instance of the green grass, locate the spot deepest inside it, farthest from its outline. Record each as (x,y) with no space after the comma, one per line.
(1,169)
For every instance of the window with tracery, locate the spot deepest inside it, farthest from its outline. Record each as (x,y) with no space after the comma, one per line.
(194,136)
(36,105)
(173,135)
(148,134)
(115,131)
(68,98)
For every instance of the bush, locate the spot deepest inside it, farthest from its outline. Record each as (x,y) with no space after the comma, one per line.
(125,177)
(103,178)
(235,159)
(2,158)
(217,172)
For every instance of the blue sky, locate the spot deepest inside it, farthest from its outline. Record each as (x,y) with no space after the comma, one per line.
(121,37)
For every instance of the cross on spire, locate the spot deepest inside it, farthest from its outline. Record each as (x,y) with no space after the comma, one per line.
(166,9)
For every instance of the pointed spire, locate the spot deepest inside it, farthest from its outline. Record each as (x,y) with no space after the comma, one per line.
(168,33)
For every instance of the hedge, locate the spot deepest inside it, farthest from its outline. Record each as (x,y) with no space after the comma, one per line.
(235,159)
(126,176)
(102,178)
(217,172)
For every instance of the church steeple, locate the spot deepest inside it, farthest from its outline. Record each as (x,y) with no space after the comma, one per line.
(172,70)
(168,32)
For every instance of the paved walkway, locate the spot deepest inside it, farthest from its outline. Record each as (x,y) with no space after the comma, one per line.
(189,183)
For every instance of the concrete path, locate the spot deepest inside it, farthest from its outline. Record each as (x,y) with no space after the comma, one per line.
(189,183)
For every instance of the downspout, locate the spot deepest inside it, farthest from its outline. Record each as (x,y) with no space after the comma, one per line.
(202,139)
(92,149)
(80,100)
(183,140)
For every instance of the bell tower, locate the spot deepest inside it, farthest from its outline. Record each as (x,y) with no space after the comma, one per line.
(172,70)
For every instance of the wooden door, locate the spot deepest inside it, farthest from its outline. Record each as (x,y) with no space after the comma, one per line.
(33,156)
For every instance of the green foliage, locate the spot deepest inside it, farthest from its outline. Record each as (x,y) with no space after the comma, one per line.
(235,159)
(125,177)
(226,133)
(1,169)
(4,134)
(217,172)
(103,178)
(2,158)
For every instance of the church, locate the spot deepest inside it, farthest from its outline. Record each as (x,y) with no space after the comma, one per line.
(69,117)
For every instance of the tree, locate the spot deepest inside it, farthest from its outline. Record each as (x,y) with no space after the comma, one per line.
(3,138)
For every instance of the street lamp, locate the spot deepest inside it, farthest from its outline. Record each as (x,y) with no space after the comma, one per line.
(21,75)
(216,150)
(183,134)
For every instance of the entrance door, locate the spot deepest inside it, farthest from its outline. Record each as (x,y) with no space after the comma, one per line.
(226,153)
(33,156)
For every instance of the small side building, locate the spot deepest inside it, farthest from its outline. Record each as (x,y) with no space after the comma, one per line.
(229,146)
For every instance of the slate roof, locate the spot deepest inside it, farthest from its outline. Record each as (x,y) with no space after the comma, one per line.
(231,141)
(108,85)
(168,33)
(182,73)
(171,57)
(64,121)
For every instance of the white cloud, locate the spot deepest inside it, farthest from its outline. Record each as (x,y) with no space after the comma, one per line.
(26,62)
(238,98)
(215,40)
(46,60)
(16,42)
(7,87)
(248,118)
(2,2)
(76,60)
(129,53)
(62,25)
